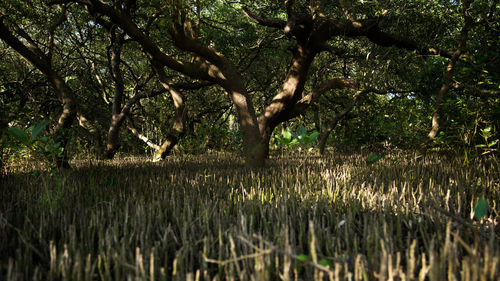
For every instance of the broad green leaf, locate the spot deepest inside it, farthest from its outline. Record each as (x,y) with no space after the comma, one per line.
(303,257)
(38,129)
(326,263)
(287,135)
(314,136)
(18,134)
(481,208)
(302,132)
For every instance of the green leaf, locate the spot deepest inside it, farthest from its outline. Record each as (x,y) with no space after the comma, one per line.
(303,257)
(69,78)
(480,145)
(19,134)
(287,135)
(302,132)
(38,129)
(314,135)
(493,143)
(374,158)
(481,208)
(326,263)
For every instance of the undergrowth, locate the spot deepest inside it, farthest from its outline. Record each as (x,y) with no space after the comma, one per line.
(210,218)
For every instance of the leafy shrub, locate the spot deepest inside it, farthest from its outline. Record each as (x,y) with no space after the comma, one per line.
(32,142)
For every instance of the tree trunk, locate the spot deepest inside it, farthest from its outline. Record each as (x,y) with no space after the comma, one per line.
(179,127)
(255,148)
(67,117)
(323,137)
(117,114)
(66,95)
(282,105)
(448,73)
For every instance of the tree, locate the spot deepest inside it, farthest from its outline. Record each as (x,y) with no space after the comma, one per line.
(274,60)
(43,62)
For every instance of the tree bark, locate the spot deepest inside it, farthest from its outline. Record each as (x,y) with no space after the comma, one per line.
(117,114)
(179,126)
(209,65)
(448,73)
(140,136)
(291,92)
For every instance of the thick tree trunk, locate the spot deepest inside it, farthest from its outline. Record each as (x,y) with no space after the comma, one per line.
(113,140)
(254,147)
(282,105)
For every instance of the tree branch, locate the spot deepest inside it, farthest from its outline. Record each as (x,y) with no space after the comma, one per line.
(264,21)
(334,83)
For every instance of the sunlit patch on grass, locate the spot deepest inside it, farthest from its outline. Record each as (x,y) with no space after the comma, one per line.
(209,217)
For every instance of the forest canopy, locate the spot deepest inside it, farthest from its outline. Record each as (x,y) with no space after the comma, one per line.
(96,77)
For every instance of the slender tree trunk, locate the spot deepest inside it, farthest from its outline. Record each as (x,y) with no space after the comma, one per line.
(179,126)
(93,132)
(67,117)
(117,114)
(323,137)
(448,73)
(66,95)
(140,136)
(4,124)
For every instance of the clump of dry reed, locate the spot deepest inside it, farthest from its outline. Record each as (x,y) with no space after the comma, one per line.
(210,218)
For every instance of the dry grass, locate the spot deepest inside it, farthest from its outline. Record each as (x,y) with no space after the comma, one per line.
(210,218)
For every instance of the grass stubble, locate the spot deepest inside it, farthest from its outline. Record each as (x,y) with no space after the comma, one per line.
(210,218)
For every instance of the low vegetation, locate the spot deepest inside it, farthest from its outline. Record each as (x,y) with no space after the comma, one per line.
(341,217)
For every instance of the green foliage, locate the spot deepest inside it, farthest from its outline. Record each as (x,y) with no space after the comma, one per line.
(31,140)
(325,263)
(289,139)
(480,208)
(374,157)
(489,145)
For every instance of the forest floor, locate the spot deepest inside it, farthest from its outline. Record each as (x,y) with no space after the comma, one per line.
(210,218)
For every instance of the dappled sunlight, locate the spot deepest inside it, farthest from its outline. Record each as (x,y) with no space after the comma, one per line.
(206,214)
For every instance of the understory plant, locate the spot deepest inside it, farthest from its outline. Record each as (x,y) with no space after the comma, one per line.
(289,139)
(32,142)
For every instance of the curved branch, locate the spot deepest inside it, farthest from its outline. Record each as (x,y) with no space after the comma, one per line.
(334,83)
(264,21)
